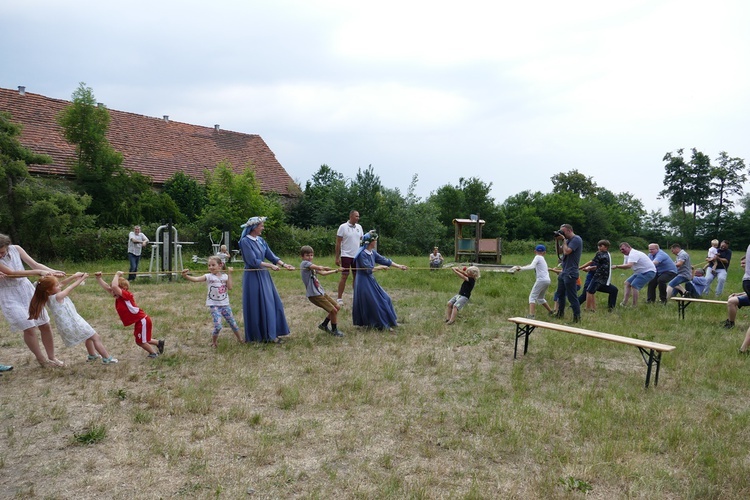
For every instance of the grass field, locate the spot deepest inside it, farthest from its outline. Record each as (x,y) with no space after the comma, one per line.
(430,411)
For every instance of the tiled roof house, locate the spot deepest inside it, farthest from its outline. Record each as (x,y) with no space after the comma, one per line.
(156,147)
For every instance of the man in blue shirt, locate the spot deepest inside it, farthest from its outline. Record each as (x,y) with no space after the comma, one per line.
(666,270)
(572,246)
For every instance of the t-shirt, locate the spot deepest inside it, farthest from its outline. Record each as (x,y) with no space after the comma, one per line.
(310,279)
(351,236)
(686,268)
(572,260)
(540,267)
(218,291)
(127,309)
(641,263)
(662,262)
(724,254)
(467,287)
(700,283)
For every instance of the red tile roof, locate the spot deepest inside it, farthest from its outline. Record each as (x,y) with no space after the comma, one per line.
(151,146)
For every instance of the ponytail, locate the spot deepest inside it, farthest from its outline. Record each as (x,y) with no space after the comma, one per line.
(41,296)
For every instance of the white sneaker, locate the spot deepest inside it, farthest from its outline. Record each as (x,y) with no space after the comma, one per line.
(340,302)
(109,360)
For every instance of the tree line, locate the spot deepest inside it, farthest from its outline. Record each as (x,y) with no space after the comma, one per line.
(85,218)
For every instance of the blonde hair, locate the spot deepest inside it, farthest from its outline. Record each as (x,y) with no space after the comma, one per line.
(714,243)
(223,248)
(123,283)
(41,295)
(473,271)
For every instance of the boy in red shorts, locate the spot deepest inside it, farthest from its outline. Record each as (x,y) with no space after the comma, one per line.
(131,314)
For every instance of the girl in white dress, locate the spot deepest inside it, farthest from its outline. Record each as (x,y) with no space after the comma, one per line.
(15,294)
(70,325)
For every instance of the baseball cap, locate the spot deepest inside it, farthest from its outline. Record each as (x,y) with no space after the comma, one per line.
(541,248)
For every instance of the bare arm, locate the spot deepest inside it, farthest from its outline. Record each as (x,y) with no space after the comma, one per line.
(192,278)
(115,286)
(77,280)
(338,250)
(101,282)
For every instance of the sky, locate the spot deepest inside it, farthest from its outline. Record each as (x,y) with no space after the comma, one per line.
(509,92)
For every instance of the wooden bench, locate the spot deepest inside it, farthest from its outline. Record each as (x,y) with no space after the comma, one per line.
(650,351)
(683,302)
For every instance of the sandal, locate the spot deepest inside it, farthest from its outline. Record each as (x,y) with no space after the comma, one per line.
(55,362)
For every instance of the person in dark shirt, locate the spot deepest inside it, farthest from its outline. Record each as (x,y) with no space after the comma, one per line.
(458,301)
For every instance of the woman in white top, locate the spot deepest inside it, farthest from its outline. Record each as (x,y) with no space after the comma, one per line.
(15,295)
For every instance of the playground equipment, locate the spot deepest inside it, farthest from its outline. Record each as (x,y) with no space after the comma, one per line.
(166,253)
(475,247)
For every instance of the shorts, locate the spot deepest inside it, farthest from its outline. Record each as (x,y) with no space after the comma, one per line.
(743,301)
(142,330)
(640,280)
(346,264)
(677,280)
(324,302)
(458,301)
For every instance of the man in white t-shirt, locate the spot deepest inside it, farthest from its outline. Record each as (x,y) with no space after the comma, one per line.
(136,241)
(348,240)
(643,271)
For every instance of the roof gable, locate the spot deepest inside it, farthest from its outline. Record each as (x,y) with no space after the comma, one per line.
(154,147)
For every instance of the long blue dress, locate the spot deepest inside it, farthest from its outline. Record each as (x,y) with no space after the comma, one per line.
(261,305)
(371,307)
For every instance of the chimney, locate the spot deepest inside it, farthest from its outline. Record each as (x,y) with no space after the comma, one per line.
(21,90)
(166,118)
(216,127)
(100,105)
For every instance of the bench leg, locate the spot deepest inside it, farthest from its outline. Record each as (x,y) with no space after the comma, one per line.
(651,358)
(681,306)
(525,331)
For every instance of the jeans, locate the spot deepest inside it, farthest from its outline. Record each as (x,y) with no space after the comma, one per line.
(566,288)
(721,278)
(134,259)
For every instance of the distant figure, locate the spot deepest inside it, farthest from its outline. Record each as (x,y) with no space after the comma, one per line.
(136,241)
(262,309)
(458,301)
(372,306)
(315,293)
(601,268)
(70,325)
(542,283)
(131,314)
(720,268)
(223,254)
(643,271)
(711,258)
(436,260)
(217,298)
(348,239)
(15,295)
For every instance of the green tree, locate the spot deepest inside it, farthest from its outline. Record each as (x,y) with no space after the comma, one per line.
(366,192)
(727,178)
(687,187)
(33,211)
(188,194)
(116,193)
(574,182)
(234,198)
(325,201)
(522,220)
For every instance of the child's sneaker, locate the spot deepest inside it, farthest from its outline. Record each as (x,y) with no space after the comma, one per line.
(93,357)
(340,302)
(110,360)
(153,355)
(324,328)
(337,333)
(160,346)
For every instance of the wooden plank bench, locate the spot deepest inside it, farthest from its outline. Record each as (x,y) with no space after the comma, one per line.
(683,302)
(650,351)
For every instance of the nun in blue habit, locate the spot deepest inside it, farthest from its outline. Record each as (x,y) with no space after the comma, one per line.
(262,309)
(372,307)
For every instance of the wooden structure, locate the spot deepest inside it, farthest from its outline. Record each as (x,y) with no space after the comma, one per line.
(474,246)
(650,351)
